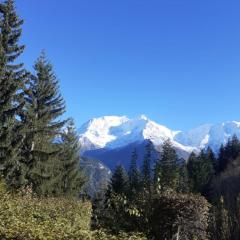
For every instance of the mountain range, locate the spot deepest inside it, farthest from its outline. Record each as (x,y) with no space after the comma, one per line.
(110,140)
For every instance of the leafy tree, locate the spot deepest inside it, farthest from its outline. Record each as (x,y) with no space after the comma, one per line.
(44,107)
(179,216)
(12,80)
(71,178)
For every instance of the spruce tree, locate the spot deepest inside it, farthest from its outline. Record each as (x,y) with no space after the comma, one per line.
(157,175)
(43,110)
(146,168)
(222,222)
(228,153)
(200,170)
(119,181)
(184,183)
(192,170)
(71,179)
(12,83)
(134,174)
(169,167)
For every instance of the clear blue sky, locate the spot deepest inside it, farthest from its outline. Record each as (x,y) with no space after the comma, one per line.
(176,61)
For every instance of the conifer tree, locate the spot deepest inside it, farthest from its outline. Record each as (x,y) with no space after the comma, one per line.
(200,170)
(134,174)
(157,175)
(222,222)
(146,168)
(12,83)
(119,181)
(71,179)
(169,167)
(184,183)
(44,107)
(228,153)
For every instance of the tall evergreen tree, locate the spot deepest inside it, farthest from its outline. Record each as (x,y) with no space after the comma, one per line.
(71,178)
(44,107)
(146,168)
(184,185)
(228,153)
(157,175)
(119,181)
(222,231)
(134,174)
(200,170)
(169,167)
(12,82)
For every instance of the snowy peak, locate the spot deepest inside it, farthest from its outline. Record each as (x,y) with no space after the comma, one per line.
(114,132)
(118,131)
(209,135)
(96,131)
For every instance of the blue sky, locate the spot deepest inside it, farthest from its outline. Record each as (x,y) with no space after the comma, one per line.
(176,61)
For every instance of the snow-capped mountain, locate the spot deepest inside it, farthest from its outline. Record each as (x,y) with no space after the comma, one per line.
(112,132)
(209,135)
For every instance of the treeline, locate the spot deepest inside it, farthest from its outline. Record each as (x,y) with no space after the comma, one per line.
(175,199)
(34,150)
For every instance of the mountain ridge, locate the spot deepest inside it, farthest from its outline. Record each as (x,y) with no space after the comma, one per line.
(112,132)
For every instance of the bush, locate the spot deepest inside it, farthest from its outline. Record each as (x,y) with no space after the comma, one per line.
(101,235)
(23,216)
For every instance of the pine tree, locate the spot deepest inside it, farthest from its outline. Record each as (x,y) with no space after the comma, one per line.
(146,168)
(222,222)
(228,153)
(192,168)
(184,183)
(201,170)
(12,83)
(157,175)
(44,107)
(134,174)
(169,167)
(212,159)
(119,181)
(71,177)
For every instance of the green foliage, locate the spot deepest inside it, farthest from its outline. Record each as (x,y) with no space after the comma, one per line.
(134,175)
(12,80)
(182,215)
(119,181)
(71,178)
(167,168)
(220,222)
(23,216)
(200,170)
(146,168)
(41,117)
(228,153)
(101,235)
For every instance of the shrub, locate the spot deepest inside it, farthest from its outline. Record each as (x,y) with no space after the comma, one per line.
(25,217)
